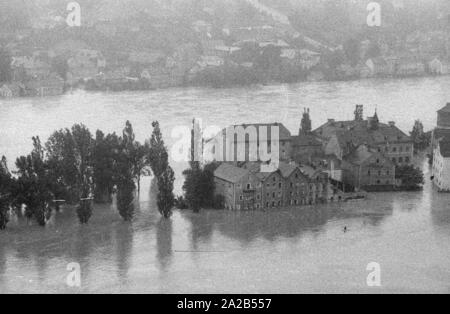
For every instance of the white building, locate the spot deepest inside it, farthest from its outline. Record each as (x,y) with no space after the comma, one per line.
(441,166)
(441,151)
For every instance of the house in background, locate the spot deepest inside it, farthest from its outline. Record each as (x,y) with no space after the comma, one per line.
(10,90)
(51,85)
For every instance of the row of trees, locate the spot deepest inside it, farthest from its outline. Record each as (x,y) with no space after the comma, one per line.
(78,169)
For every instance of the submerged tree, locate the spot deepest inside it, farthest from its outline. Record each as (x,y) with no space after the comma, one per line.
(125,197)
(191,186)
(411,178)
(5,193)
(157,155)
(61,157)
(35,184)
(105,150)
(420,139)
(159,160)
(84,145)
(125,174)
(199,188)
(166,198)
(138,155)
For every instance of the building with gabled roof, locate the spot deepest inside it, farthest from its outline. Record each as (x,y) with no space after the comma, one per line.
(441,150)
(240,143)
(368,170)
(342,136)
(240,188)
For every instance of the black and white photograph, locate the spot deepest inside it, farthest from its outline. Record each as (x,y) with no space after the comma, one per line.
(224,152)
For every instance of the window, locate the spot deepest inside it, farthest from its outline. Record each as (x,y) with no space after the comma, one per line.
(400,159)
(292,185)
(379,173)
(273,195)
(249,186)
(274,179)
(394,160)
(279,203)
(280,185)
(241,198)
(368,172)
(378,161)
(394,149)
(407,159)
(273,204)
(257,206)
(258,197)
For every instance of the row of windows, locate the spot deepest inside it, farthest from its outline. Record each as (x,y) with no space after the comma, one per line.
(396,149)
(369,173)
(400,160)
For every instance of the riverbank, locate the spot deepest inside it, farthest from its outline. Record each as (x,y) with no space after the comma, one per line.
(216,82)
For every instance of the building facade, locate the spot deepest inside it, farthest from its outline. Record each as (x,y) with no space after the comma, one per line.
(248,188)
(341,136)
(367,170)
(441,151)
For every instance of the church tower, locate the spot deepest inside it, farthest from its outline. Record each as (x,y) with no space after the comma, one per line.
(359,113)
(374,122)
(306,125)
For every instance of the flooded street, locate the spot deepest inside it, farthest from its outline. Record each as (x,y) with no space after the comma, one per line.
(299,250)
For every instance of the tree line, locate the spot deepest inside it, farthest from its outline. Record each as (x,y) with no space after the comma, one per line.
(76,168)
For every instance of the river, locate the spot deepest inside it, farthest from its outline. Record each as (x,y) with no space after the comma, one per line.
(288,251)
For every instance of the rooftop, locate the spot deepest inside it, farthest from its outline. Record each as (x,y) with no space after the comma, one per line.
(445,109)
(230,173)
(306,140)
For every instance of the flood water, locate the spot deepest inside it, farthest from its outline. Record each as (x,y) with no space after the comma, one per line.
(289,251)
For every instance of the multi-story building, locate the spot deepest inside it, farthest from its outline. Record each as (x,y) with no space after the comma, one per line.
(368,170)
(248,188)
(441,150)
(246,142)
(240,188)
(342,136)
(296,185)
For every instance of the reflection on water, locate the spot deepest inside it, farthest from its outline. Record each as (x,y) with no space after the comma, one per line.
(164,243)
(287,251)
(292,250)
